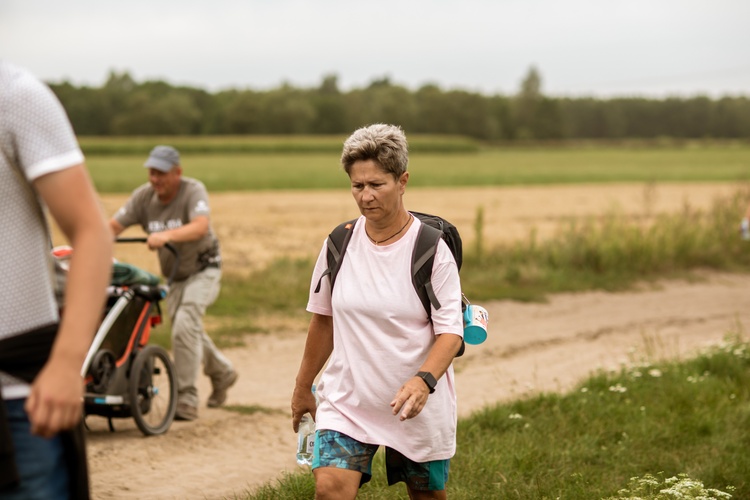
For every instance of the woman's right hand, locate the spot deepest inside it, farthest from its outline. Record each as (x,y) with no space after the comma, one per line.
(303,401)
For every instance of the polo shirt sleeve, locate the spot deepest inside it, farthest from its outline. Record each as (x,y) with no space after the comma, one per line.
(130,213)
(197,201)
(43,134)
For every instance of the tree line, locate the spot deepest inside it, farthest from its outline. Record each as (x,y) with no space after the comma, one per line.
(122,106)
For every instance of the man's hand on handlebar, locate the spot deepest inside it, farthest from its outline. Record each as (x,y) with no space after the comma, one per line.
(157,240)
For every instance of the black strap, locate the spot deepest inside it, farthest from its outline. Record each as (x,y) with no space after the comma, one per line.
(336,243)
(422,260)
(23,356)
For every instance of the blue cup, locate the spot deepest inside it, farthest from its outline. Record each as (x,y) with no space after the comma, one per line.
(475,324)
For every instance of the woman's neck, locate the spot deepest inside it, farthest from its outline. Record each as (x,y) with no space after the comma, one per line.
(390,233)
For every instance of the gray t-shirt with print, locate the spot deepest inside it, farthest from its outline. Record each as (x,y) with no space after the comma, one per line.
(145,209)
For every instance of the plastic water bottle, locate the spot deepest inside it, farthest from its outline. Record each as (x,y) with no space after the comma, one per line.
(306,437)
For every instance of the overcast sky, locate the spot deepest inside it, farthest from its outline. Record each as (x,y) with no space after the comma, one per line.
(581,47)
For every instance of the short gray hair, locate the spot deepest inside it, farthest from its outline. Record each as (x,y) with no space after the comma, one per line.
(384,144)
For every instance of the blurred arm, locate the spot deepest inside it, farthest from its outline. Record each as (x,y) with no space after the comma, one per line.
(55,402)
(115,227)
(192,231)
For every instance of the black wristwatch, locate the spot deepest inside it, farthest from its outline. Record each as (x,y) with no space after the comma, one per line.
(428,379)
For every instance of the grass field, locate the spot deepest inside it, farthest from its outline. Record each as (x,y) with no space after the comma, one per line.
(243,171)
(661,420)
(254,144)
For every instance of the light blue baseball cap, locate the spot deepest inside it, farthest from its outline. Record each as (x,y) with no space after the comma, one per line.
(163,158)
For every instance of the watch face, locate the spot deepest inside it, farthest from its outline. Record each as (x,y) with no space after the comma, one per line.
(429,379)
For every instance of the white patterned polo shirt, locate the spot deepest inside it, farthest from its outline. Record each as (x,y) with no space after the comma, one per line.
(36,139)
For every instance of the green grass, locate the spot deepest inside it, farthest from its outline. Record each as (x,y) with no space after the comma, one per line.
(260,144)
(612,252)
(252,409)
(673,418)
(281,288)
(113,173)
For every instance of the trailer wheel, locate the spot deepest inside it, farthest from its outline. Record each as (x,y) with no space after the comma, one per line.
(152,390)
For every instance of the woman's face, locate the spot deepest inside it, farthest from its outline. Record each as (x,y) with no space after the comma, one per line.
(377,193)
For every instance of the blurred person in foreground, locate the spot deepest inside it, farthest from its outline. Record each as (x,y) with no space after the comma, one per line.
(42,449)
(174,209)
(389,381)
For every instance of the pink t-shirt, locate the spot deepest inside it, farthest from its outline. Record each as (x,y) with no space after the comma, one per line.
(381,337)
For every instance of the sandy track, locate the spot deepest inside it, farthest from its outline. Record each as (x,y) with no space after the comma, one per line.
(531,347)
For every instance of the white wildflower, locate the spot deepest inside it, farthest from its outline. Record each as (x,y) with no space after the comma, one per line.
(680,487)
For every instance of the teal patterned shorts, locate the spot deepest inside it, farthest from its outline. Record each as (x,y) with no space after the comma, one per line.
(334,449)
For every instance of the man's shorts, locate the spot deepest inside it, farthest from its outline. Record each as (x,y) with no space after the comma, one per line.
(334,449)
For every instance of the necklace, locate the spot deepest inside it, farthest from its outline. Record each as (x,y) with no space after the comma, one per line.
(391,236)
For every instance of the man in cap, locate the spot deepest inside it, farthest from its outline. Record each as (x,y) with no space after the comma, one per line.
(174,209)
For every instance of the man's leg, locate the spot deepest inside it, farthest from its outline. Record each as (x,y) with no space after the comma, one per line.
(187,352)
(199,292)
(40,462)
(215,365)
(219,369)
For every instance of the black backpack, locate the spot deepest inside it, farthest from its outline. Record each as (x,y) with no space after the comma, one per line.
(433,228)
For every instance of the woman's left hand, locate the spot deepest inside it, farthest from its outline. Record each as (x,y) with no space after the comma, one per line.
(410,399)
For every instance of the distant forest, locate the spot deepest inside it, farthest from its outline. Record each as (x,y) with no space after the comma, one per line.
(123,106)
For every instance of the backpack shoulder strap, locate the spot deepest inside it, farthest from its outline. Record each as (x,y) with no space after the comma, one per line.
(422,261)
(423,258)
(336,243)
